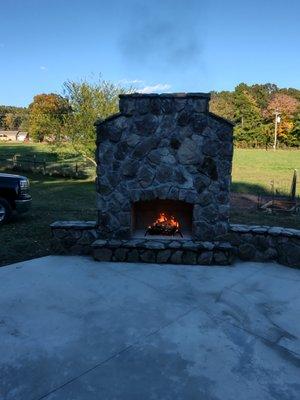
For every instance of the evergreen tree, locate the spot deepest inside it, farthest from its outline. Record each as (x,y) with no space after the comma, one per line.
(247,116)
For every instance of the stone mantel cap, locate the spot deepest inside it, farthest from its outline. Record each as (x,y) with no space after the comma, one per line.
(166,95)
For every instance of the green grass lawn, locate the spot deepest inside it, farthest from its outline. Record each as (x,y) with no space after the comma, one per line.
(255,169)
(28,236)
(46,159)
(42,151)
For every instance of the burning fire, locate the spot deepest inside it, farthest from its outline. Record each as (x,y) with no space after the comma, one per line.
(164,225)
(166,222)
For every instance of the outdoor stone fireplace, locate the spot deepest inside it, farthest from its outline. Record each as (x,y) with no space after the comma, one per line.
(166,160)
(163,158)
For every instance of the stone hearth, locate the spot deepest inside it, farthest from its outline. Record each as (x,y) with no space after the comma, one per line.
(163,153)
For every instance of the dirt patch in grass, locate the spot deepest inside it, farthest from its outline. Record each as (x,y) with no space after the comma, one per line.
(244,210)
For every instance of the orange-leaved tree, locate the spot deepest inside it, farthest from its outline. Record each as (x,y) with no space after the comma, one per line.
(46,116)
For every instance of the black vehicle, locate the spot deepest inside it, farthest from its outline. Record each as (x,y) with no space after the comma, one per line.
(14,195)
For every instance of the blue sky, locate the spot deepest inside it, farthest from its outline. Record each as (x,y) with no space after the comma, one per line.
(156,45)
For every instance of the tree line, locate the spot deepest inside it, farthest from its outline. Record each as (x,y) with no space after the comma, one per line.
(70,116)
(253,108)
(13,118)
(67,118)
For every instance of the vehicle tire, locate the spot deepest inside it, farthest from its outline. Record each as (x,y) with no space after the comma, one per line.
(5,211)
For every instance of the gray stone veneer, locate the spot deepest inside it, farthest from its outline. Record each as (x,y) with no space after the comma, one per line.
(251,243)
(166,146)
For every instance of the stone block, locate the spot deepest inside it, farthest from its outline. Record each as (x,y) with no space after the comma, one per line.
(261,242)
(143,148)
(134,243)
(148,256)
(164,174)
(221,258)
(120,254)
(145,176)
(146,125)
(203,231)
(205,258)
(127,105)
(102,254)
(184,118)
(175,245)
(201,182)
(289,254)
(206,245)
(132,139)
(211,147)
(143,106)
(205,198)
(176,257)
(152,244)
(59,233)
(189,257)
(270,254)
(163,256)
(77,249)
(275,231)
(129,168)
(133,256)
(122,233)
(88,237)
(189,152)
(190,245)
(246,251)
(210,213)
(99,243)
(114,243)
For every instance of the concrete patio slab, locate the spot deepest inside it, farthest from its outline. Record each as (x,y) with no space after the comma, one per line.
(72,328)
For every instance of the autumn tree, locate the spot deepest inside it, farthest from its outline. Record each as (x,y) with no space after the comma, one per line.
(262,93)
(287,106)
(13,118)
(252,108)
(222,104)
(47,114)
(11,121)
(283,103)
(295,133)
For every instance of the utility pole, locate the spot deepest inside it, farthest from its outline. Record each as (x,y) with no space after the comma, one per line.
(277,121)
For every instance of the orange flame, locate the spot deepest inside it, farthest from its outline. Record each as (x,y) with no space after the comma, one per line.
(165,221)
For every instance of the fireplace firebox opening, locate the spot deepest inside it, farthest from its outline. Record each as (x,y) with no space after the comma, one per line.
(162,218)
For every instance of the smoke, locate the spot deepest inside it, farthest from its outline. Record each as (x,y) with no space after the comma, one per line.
(163,32)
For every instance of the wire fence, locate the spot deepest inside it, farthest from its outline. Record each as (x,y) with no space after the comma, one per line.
(68,168)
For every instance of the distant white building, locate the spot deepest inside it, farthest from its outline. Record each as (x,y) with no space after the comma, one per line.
(22,136)
(14,136)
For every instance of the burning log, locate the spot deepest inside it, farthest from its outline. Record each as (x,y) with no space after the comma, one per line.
(164,225)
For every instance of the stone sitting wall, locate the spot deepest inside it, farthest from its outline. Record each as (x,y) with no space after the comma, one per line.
(249,243)
(265,243)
